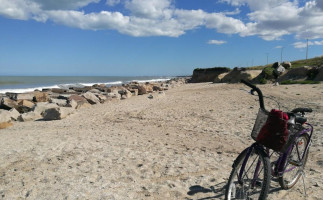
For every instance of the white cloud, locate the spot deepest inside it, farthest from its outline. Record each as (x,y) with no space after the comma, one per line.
(268,19)
(301,45)
(217,42)
(149,8)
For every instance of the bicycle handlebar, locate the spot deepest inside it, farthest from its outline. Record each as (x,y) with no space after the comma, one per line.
(261,98)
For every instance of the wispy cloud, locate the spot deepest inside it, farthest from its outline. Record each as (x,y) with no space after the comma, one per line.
(216,42)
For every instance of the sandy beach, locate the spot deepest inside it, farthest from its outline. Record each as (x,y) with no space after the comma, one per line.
(178,145)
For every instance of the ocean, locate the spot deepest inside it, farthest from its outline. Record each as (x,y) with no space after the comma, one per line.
(20,84)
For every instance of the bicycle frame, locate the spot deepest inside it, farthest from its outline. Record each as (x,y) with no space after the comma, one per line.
(279,169)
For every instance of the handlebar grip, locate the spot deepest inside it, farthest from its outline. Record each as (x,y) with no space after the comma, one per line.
(254,88)
(302,110)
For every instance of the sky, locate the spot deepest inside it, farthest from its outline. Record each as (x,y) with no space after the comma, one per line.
(154,37)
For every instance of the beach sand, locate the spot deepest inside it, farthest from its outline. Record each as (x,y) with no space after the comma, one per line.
(178,145)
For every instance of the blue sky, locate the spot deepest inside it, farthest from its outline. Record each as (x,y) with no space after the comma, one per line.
(153,37)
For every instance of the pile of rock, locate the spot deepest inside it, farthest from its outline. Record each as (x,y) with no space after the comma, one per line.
(56,104)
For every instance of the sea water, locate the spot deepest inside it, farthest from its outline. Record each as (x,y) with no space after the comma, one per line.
(20,84)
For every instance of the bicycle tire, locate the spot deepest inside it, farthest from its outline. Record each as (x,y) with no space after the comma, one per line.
(284,181)
(236,190)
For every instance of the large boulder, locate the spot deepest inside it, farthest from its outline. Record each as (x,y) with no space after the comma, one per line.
(237,74)
(6,103)
(81,102)
(59,102)
(14,114)
(41,97)
(141,89)
(91,98)
(21,96)
(5,116)
(287,65)
(300,73)
(73,104)
(40,107)
(29,116)
(25,106)
(57,113)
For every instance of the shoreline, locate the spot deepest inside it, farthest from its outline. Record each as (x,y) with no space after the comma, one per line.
(177,145)
(31,83)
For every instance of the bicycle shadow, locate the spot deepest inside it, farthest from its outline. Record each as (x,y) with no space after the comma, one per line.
(217,189)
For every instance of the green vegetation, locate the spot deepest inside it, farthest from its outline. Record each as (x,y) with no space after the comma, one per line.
(288,82)
(212,69)
(268,73)
(263,81)
(317,61)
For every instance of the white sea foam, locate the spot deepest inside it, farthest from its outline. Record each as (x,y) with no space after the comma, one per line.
(152,80)
(107,83)
(23,90)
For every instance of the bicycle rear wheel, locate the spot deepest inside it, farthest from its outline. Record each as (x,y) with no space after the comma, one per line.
(294,163)
(252,180)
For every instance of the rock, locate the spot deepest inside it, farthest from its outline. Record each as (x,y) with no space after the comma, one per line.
(40,107)
(134,92)
(59,102)
(20,96)
(319,76)
(95,91)
(76,98)
(150,96)
(126,94)
(82,104)
(57,113)
(5,116)
(72,104)
(149,88)
(25,106)
(141,90)
(80,101)
(113,96)
(29,116)
(6,103)
(4,125)
(40,97)
(157,88)
(59,90)
(287,65)
(14,114)
(91,98)
(101,97)
(65,96)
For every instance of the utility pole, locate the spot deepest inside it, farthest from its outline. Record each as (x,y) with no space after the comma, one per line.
(267,57)
(281,55)
(306,48)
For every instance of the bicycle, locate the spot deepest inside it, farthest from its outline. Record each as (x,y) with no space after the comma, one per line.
(252,170)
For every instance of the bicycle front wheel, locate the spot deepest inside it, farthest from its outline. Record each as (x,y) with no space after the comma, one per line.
(250,176)
(295,162)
